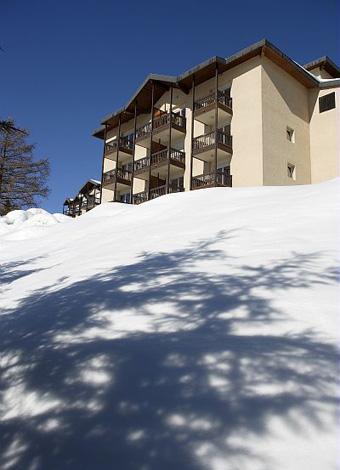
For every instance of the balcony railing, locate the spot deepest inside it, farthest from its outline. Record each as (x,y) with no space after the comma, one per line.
(140,197)
(163,120)
(209,140)
(220,178)
(222,97)
(90,202)
(124,142)
(160,157)
(120,173)
(155,192)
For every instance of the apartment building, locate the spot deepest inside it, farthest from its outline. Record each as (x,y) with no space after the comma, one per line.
(86,199)
(256,118)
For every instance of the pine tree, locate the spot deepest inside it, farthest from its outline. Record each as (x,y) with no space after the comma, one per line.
(22,180)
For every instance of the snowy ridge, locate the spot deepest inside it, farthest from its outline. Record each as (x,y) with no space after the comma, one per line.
(196,331)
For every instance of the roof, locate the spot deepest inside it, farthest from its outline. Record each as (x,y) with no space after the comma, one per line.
(89,185)
(68,201)
(324,63)
(202,72)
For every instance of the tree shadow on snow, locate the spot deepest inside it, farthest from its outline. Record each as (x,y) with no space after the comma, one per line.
(80,392)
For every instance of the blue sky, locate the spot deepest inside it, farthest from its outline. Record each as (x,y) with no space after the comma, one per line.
(66,64)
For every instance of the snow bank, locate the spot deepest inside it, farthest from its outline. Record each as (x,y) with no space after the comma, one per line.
(196,331)
(24,224)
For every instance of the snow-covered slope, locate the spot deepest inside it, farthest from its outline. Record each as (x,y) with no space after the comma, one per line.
(21,225)
(196,331)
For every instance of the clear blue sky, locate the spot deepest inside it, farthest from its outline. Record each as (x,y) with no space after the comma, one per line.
(68,63)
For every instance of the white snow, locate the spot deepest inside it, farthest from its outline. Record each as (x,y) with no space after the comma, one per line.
(196,331)
(30,223)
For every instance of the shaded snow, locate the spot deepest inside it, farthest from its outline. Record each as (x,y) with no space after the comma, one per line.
(196,331)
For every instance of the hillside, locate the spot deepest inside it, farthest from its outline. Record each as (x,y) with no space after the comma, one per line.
(196,331)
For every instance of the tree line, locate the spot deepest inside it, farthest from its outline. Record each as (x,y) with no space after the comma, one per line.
(23,180)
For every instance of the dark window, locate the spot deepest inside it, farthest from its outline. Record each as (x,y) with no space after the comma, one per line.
(291,171)
(327,102)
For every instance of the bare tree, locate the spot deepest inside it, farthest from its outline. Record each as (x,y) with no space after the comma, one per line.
(22,180)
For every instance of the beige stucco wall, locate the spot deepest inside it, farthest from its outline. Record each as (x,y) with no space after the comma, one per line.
(107,195)
(246,125)
(284,104)
(324,137)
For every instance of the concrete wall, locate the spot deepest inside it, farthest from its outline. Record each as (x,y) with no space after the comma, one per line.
(284,104)
(324,137)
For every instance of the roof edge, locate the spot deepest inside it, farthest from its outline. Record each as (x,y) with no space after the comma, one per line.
(328,64)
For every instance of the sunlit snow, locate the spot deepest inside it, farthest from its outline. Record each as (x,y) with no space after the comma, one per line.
(196,331)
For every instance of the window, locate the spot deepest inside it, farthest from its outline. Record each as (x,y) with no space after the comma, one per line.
(290,134)
(291,171)
(327,102)
(125,198)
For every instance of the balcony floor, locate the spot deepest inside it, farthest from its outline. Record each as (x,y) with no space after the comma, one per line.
(206,115)
(207,154)
(162,134)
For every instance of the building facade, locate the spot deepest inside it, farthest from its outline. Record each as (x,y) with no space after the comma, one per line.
(256,118)
(86,199)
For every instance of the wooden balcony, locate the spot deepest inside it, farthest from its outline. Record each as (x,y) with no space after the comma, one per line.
(90,202)
(204,108)
(118,176)
(125,148)
(158,161)
(207,180)
(161,128)
(203,147)
(139,198)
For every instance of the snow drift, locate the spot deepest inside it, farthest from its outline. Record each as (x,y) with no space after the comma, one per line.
(196,331)
(21,224)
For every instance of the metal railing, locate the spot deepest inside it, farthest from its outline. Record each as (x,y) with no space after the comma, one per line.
(109,176)
(210,139)
(222,97)
(221,178)
(163,120)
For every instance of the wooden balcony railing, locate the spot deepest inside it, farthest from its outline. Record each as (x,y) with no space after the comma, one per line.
(155,192)
(140,197)
(220,178)
(222,97)
(120,173)
(211,139)
(163,120)
(124,142)
(159,157)
(90,202)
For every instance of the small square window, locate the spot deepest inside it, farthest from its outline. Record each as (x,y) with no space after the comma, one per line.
(327,102)
(291,171)
(290,134)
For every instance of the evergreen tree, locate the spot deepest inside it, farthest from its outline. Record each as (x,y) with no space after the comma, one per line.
(22,180)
